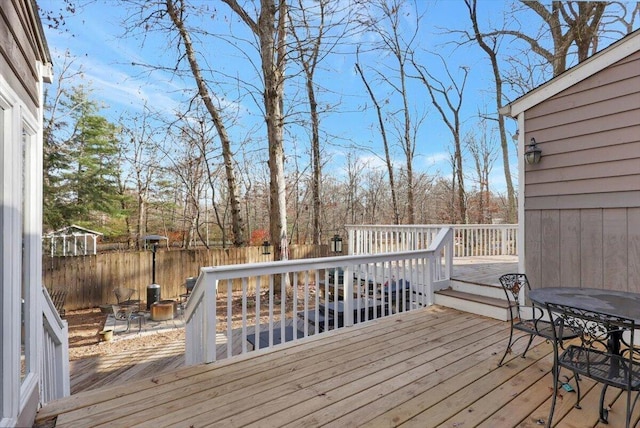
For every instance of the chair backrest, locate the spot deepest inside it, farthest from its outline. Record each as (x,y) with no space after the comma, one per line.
(122,312)
(594,329)
(123,294)
(190,282)
(605,352)
(512,283)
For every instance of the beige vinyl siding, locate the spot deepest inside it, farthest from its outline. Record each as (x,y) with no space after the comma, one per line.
(598,248)
(20,49)
(589,135)
(582,215)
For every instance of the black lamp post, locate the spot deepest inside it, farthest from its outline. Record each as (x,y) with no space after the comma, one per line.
(266,248)
(153,240)
(153,290)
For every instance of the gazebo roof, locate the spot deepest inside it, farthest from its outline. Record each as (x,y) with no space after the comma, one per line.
(73,230)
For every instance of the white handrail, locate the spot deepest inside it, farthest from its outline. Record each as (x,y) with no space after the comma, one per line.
(373,285)
(54,381)
(470,239)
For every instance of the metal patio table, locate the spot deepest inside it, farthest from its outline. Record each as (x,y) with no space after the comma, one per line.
(611,302)
(618,303)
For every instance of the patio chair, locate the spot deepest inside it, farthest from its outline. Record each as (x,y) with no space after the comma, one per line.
(605,353)
(189,283)
(531,325)
(126,314)
(123,295)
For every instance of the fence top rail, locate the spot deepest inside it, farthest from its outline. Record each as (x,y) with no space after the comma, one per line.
(428,226)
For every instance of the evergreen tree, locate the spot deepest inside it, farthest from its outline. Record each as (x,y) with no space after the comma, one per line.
(82,166)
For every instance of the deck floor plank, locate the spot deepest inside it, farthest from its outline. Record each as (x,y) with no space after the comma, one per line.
(294,380)
(424,396)
(199,386)
(359,378)
(380,396)
(426,368)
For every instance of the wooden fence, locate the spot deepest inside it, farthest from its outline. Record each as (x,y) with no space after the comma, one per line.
(90,280)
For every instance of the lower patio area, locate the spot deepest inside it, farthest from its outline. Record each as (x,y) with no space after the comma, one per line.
(425,368)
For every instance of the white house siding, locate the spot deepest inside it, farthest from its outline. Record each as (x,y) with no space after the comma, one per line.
(24,61)
(582,201)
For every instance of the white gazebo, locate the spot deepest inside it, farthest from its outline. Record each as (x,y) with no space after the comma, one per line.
(72,241)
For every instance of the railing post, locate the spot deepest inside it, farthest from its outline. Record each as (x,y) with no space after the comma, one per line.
(210,319)
(347,279)
(503,247)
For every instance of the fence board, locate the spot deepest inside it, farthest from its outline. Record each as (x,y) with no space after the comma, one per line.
(89,280)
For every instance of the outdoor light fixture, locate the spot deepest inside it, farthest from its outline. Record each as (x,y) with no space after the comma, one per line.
(336,244)
(266,248)
(533,153)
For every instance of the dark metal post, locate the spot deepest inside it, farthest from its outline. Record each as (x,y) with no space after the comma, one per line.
(154,246)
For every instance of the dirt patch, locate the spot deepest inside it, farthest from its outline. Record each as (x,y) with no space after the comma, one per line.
(85,324)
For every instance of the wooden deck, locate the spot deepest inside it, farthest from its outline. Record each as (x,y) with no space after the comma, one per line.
(425,368)
(98,372)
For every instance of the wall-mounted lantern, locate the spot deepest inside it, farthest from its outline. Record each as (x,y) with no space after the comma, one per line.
(266,248)
(336,244)
(533,153)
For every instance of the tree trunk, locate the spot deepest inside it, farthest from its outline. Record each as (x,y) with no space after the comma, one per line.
(227,154)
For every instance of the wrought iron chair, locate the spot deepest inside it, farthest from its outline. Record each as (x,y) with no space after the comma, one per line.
(126,313)
(189,283)
(123,295)
(605,353)
(531,325)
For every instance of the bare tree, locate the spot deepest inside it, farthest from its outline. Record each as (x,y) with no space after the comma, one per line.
(626,17)
(270,29)
(385,143)
(490,44)
(195,131)
(398,42)
(140,162)
(311,28)
(484,154)
(441,98)
(177,10)
(353,189)
(582,22)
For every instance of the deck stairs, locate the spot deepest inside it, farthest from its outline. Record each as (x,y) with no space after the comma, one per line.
(483,299)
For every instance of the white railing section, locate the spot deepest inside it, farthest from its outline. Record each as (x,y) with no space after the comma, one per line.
(54,381)
(318,295)
(470,239)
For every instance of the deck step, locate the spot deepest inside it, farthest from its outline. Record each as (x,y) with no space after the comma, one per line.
(471,302)
(480,289)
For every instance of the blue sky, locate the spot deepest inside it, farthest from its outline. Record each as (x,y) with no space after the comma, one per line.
(94,38)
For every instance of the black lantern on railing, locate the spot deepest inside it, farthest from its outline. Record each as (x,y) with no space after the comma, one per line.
(266,248)
(336,244)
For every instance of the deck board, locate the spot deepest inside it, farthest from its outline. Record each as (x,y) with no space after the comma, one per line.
(429,367)
(425,368)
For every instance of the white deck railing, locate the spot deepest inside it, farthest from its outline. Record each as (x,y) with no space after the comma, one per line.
(470,239)
(373,285)
(54,381)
